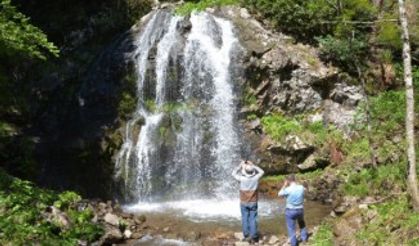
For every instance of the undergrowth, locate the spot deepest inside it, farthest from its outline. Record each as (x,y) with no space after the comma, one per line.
(394,223)
(382,181)
(323,236)
(23,221)
(188,7)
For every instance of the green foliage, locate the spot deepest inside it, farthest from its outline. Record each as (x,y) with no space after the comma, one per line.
(357,150)
(65,199)
(251,117)
(345,53)
(278,126)
(126,105)
(22,221)
(307,176)
(6,129)
(378,181)
(249,99)
(17,35)
(389,33)
(323,237)
(150,105)
(394,224)
(339,27)
(188,7)
(308,19)
(388,111)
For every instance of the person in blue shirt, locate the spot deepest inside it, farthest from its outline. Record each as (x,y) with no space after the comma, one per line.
(294,209)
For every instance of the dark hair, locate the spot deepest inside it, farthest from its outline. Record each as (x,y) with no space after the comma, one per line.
(291,177)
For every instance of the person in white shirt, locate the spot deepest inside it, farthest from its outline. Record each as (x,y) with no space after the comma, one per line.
(249,174)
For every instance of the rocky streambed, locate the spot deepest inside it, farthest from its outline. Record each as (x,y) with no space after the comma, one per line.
(218,223)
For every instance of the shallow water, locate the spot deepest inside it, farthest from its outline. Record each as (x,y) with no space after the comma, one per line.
(211,218)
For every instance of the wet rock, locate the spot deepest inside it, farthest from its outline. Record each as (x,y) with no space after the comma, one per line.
(139,219)
(111,236)
(57,217)
(292,144)
(111,219)
(241,244)
(254,125)
(127,234)
(347,225)
(82,243)
(313,162)
(137,235)
(341,117)
(244,13)
(95,218)
(126,215)
(346,95)
(273,240)
(192,236)
(172,236)
(238,235)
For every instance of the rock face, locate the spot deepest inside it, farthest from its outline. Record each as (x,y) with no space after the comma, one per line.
(288,78)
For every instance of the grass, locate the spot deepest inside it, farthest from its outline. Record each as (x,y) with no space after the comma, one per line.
(278,126)
(323,237)
(380,181)
(188,7)
(300,176)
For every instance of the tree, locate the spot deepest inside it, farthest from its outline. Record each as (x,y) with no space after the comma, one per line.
(412,182)
(18,36)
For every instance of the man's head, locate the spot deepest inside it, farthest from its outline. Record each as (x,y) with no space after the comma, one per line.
(248,169)
(291,178)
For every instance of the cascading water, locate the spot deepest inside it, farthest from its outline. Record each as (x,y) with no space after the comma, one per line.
(188,142)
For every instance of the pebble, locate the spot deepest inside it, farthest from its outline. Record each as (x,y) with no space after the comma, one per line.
(273,240)
(241,244)
(238,235)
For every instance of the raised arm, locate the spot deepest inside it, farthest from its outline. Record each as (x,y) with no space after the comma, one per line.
(236,174)
(283,192)
(259,171)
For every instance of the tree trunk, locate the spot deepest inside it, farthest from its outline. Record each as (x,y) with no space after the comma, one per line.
(412,182)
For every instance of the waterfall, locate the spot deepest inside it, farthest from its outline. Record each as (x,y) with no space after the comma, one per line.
(183,139)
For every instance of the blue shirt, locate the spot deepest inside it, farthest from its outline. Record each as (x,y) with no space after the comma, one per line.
(294,195)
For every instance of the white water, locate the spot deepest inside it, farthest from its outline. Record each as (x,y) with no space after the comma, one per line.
(205,209)
(184,154)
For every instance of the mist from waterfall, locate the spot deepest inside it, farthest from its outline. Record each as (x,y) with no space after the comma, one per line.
(183,139)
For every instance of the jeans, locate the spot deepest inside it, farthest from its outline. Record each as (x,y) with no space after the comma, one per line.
(292,215)
(249,213)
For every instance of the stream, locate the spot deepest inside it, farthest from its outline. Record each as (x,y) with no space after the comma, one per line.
(175,222)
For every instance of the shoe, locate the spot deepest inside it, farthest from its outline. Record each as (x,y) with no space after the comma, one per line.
(254,241)
(245,239)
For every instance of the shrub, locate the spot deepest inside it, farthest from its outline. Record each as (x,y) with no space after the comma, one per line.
(22,221)
(188,7)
